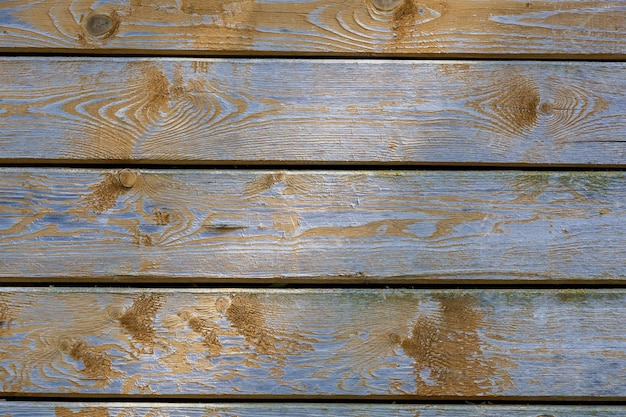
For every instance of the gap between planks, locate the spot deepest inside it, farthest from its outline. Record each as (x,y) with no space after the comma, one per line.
(112,164)
(268,55)
(96,409)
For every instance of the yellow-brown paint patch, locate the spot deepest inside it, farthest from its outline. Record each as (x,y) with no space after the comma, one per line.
(5,318)
(448,352)
(104,195)
(97,364)
(511,103)
(263,183)
(404,18)
(161,217)
(205,20)
(296,184)
(208,331)
(246,314)
(137,320)
(193,320)
(449,220)
(227,12)
(149,265)
(518,103)
(380,228)
(407,15)
(579,186)
(141,239)
(455,69)
(202,7)
(140,104)
(374,336)
(286,222)
(86,412)
(160,90)
(9,110)
(578,296)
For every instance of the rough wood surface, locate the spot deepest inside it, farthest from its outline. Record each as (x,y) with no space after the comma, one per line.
(313,226)
(34,409)
(303,111)
(463,344)
(571,28)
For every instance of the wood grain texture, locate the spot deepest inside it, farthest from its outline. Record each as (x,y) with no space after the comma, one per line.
(310,111)
(445,344)
(59,409)
(570,28)
(312,226)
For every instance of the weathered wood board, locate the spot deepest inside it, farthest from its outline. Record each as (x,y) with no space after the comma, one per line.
(312,226)
(312,111)
(366,226)
(445,344)
(72,409)
(567,28)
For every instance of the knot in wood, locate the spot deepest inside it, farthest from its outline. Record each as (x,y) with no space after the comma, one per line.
(127,178)
(546,108)
(177,91)
(65,345)
(99,25)
(385,5)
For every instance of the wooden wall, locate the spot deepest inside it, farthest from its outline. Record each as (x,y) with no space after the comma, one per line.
(312,208)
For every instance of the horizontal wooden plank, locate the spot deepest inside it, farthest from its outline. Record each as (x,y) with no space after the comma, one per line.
(240,225)
(417,344)
(310,111)
(434,28)
(72,409)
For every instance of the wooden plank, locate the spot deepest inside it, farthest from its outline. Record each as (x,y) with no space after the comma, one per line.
(310,111)
(512,28)
(366,226)
(72,409)
(388,344)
